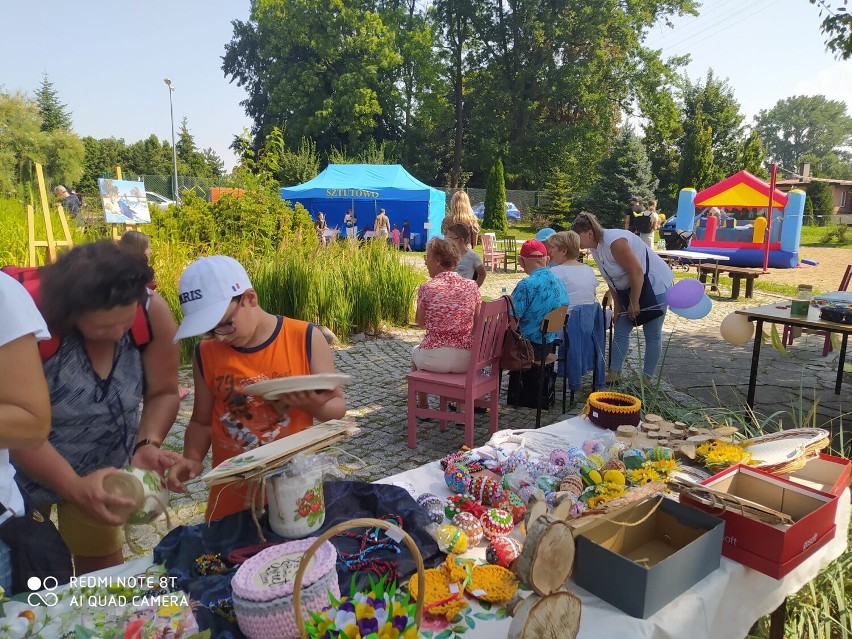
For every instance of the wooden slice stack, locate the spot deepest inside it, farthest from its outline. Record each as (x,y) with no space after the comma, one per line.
(545,564)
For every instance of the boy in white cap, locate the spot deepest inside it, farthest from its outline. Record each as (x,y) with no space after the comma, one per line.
(244,344)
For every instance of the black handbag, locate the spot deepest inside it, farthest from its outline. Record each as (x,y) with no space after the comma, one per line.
(37,550)
(649,308)
(517,353)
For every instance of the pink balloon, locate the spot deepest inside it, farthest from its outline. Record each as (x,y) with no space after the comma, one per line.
(685,294)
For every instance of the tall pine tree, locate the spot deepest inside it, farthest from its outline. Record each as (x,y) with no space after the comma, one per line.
(753,156)
(494,217)
(54,115)
(696,164)
(624,173)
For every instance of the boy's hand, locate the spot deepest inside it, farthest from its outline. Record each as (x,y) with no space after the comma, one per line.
(150,457)
(307,401)
(183,470)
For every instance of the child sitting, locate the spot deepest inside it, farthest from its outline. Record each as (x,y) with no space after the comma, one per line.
(244,344)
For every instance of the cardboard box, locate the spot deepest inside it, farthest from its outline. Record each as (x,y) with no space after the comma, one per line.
(825,473)
(641,568)
(773,549)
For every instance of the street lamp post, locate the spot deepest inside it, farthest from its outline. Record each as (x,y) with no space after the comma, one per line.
(174,148)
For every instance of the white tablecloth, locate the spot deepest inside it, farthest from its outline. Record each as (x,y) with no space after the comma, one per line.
(722,606)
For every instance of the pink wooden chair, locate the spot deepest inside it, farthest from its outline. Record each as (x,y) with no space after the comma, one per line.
(788,335)
(490,254)
(470,387)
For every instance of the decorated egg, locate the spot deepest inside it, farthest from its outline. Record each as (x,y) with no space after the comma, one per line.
(496,522)
(433,505)
(591,476)
(470,526)
(572,484)
(516,460)
(614,477)
(633,458)
(548,483)
(511,481)
(484,488)
(457,478)
(617,448)
(457,503)
(596,459)
(526,492)
(512,504)
(451,539)
(613,464)
(502,551)
(659,453)
(592,446)
(559,457)
(578,508)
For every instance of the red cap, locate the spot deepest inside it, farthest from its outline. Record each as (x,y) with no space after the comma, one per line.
(533,248)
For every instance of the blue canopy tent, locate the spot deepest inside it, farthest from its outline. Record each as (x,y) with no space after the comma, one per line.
(366,188)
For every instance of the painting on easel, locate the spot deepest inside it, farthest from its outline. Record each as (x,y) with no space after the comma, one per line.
(124,201)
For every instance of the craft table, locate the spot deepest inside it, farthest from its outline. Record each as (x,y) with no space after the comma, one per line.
(780,314)
(722,606)
(695,256)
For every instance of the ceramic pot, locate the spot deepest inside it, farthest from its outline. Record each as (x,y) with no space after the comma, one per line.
(296,503)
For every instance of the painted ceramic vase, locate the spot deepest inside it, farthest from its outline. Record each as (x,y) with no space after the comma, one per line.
(145,487)
(296,503)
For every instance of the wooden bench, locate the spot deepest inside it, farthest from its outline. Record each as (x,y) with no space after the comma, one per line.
(737,274)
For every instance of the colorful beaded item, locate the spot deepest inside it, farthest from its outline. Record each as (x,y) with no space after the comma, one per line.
(470,526)
(210,564)
(502,551)
(451,539)
(433,505)
(457,477)
(512,504)
(459,503)
(484,489)
(496,522)
(559,457)
(224,608)
(572,484)
(369,542)
(464,457)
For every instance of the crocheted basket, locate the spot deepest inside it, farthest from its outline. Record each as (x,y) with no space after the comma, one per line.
(266,593)
(304,571)
(611,410)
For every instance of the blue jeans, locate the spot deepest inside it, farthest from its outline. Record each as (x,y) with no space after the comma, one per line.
(653,331)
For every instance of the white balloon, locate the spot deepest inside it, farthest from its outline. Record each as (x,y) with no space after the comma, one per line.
(736,329)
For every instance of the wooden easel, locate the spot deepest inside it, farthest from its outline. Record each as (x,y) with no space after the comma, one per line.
(50,243)
(127,227)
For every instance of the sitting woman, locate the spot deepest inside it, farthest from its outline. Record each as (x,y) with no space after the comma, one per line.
(446,307)
(106,360)
(579,279)
(624,261)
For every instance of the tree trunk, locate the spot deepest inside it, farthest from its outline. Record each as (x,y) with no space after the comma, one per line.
(546,561)
(556,616)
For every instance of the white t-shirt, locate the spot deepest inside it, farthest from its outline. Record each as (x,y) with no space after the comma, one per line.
(659,273)
(579,280)
(20,317)
(468,264)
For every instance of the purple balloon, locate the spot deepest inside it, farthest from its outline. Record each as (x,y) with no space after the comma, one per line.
(685,294)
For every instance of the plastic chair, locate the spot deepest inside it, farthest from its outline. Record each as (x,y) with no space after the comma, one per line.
(490,253)
(553,322)
(788,336)
(509,245)
(482,377)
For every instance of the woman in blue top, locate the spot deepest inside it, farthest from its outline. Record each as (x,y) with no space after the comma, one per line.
(406,236)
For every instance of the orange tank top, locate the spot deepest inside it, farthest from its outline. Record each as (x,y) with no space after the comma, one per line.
(241,422)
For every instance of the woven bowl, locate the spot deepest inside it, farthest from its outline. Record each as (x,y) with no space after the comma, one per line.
(611,410)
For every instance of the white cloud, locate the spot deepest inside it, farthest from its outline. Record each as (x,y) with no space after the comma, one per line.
(833,82)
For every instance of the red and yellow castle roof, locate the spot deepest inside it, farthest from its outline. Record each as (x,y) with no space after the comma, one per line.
(741,190)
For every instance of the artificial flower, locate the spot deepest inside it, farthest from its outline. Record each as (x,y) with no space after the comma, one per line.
(388,631)
(352,632)
(364,611)
(644,475)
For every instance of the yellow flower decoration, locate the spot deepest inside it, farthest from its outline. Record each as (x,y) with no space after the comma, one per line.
(388,632)
(352,632)
(664,467)
(644,475)
(364,611)
(411,633)
(717,453)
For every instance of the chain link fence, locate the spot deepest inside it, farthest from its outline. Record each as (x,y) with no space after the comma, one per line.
(524,200)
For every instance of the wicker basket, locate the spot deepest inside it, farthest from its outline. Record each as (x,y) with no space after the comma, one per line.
(363,522)
(611,410)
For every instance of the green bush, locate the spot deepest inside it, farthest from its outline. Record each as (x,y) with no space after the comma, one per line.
(494,217)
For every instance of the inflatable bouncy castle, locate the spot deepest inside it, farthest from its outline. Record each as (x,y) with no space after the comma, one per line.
(738,227)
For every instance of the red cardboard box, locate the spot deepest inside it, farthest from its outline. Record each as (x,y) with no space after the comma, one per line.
(773,549)
(826,473)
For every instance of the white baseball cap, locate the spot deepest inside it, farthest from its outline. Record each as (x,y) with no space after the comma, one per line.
(207,287)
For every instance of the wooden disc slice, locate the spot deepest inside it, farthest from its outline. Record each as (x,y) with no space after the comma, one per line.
(722,431)
(650,427)
(536,507)
(555,616)
(121,484)
(680,424)
(626,430)
(547,559)
(650,418)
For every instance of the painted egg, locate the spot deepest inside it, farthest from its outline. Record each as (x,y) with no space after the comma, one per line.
(591,476)
(496,522)
(559,457)
(451,539)
(548,483)
(526,492)
(433,505)
(457,478)
(512,504)
(591,446)
(633,458)
(510,481)
(613,464)
(455,504)
(596,459)
(614,477)
(484,488)
(515,460)
(502,551)
(660,453)
(470,526)
(572,484)
(617,448)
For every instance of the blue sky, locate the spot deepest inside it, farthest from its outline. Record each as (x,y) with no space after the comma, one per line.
(108,60)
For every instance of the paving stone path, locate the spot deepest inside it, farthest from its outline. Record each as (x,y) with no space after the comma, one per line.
(699,369)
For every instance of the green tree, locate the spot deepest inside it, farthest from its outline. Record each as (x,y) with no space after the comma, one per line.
(714,99)
(804,125)
(54,115)
(190,160)
(624,173)
(215,165)
(494,217)
(837,27)
(323,69)
(696,164)
(836,165)
(753,156)
(819,193)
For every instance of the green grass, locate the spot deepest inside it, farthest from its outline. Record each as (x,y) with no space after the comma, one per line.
(818,236)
